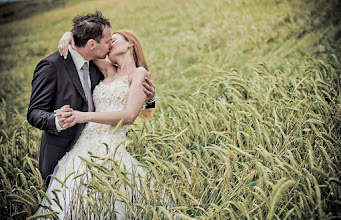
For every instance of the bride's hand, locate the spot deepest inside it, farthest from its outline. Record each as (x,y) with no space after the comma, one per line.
(80,117)
(66,39)
(77,117)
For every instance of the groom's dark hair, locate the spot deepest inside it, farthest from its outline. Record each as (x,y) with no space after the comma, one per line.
(90,26)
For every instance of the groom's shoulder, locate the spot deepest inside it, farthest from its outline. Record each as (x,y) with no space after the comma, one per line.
(53,60)
(50,63)
(54,57)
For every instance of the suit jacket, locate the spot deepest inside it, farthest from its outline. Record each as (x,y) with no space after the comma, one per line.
(56,83)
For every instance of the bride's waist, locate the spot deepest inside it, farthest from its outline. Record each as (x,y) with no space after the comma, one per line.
(96,128)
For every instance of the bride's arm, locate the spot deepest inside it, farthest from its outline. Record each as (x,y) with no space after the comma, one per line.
(136,99)
(66,39)
(103,65)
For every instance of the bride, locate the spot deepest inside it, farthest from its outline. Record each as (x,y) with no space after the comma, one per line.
(118,99)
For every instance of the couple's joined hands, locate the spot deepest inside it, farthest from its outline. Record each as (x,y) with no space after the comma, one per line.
(67,117)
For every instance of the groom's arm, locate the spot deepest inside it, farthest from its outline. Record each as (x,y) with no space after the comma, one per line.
(40,110)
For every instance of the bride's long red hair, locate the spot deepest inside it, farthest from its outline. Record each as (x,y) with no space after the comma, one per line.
(140,60)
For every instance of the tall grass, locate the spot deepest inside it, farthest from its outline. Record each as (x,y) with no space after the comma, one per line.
(248,122)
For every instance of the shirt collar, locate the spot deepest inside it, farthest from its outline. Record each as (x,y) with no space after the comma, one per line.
(77,58)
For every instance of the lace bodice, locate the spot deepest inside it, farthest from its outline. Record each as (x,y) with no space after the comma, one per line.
(112,96)
(107,98)
(102,139)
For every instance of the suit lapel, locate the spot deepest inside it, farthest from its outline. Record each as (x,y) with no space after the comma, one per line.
(71,69)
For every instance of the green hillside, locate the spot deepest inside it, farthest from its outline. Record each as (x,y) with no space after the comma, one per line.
(248,118)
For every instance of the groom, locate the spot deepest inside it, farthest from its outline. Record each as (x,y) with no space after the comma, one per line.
(59,84)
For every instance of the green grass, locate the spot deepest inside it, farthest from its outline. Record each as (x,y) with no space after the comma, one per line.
(248,120)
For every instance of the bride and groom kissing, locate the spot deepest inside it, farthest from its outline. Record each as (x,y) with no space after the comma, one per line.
(77,101)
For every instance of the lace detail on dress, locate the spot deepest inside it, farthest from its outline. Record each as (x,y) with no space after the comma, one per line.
(117,99)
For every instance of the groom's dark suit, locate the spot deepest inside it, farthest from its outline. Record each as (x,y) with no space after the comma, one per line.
(56,83)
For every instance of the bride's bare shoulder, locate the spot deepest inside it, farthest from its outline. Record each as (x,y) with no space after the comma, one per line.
(141,71)
(138,75)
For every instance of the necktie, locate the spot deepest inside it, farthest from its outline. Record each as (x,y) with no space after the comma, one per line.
(87,90)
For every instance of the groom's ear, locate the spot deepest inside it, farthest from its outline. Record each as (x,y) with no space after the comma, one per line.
(91,44)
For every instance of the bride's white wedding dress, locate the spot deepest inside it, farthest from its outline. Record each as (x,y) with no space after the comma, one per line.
(102,141)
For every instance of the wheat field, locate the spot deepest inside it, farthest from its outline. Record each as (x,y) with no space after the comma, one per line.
(248,117)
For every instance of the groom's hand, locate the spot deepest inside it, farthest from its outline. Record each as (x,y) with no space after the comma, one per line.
(149,87)
(62,115)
